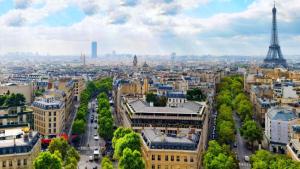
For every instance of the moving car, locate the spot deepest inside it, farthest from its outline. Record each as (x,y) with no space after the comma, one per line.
(247,159)
(96,154)
(96,138)
(91,158)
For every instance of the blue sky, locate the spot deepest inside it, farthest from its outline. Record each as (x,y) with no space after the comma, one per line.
(217,27)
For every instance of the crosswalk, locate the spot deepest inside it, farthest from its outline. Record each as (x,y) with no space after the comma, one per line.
(244,165)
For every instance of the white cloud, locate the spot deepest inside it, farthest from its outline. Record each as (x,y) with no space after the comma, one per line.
(22,4)
(150,26)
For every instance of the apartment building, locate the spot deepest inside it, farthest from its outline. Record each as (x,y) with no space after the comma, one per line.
(49,115)
(278,127)
(138,114)
(79,84)
(21,116)
(25,89)
(163,150)
(18,148)
(293,147)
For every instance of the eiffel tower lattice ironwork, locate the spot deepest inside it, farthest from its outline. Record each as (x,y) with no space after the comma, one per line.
(274,57)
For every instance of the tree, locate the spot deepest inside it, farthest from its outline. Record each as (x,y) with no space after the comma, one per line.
(244,109)
(225,113)
(238,99)
(221,161)
(105,129)
(224,98)
(218,157)
(263,159)
(106,163)
(236,87)
(251,131)
(131,160)
(103,103)
(131,140)
(46,160)
(226,132)
(151,97)
(102,96)
(60,145)
(195,94)
(161,101)
(78,127)
(119,133)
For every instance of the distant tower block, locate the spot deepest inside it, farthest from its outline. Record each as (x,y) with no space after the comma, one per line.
(135,61)
(173,55)
(274,57)
(83,59)
(94,49)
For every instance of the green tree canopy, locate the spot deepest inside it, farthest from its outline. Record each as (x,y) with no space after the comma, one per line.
(251,131)
(60,145)
(263,159)
(105,129)
(218,157)
(46,160)
(131,160)
(106,163)
(195,94)
(226,132)
(131,140)
(78,126)
(119,133)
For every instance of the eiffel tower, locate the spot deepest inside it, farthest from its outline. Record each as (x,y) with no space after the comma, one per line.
(274,57)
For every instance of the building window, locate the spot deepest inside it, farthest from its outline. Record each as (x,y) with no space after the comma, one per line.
(19,162)
(158,157)
(10,163)
(185,158)
(49,130)
(166,167)
(153,166)
(55,113)
(191,159)
(166,158)
(4,164)
(50,113)
(177,158)
(54,119)
(158,167)
(172,158)
(25,161)
(153,157)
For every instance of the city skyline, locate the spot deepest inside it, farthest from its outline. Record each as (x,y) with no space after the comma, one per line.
(198,27)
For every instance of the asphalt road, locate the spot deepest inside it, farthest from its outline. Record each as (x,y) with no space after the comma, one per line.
(88,143)
(241,149)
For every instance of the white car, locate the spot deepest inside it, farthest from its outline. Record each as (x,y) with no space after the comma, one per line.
(91,158)
(247,158)
(96,138)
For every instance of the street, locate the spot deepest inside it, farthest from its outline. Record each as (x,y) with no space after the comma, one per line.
(88,144)
(241,148)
